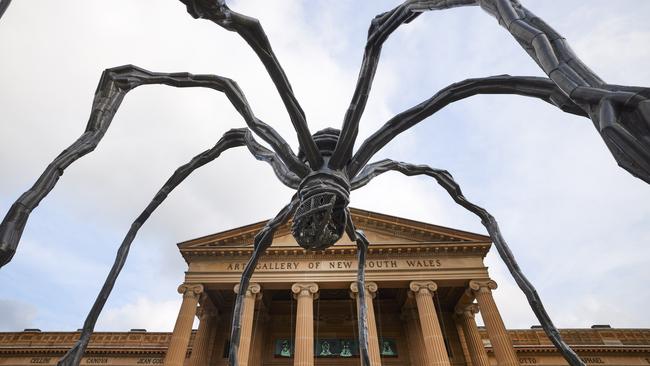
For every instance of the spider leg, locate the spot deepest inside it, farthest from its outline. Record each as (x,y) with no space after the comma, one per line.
(232,138)
(631,153)
(530,86)
(362,249)
(252,32)
(4,4)
(628,138)
(262,241)
(380,29)
(447,182)
(115,83)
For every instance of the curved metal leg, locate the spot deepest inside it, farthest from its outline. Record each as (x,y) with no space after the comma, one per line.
(232,138)
(362,249)
(529,86)
(626,137)
(250,29)
(381,27)
(4,4)
(447,182)
(115,83)
(263,240)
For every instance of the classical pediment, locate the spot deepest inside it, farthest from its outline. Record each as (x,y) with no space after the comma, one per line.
(380,229)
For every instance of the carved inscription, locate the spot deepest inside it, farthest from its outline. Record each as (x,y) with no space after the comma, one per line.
(150,361)
(593,360)
(96,360)
(424,263)
(40,360)
(528,361)
(343,265)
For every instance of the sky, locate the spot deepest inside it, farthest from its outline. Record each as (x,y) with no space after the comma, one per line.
(578,224)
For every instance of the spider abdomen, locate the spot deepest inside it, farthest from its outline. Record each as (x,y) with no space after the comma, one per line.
(320,219)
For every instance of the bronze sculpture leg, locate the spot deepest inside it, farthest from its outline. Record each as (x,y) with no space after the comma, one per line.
(447,182)
(362,249)
(263,240)
(115,83)
(232,138)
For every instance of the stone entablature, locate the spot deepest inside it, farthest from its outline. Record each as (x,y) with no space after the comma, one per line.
(148,348)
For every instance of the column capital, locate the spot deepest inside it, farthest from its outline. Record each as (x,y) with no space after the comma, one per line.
(423,287)
(482,285)
(466,310)
(371,287)
(254,290)
(300,289)
(190,290)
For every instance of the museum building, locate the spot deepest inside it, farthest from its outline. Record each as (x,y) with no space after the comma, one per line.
(425,284)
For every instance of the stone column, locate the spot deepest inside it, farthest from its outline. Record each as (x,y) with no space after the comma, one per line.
(463,343)
(434,343)
(413,333)
(304,343)
(204,340)
(373,340)
(499,338)
(253,293)
(183,329)
(477,352)
(258,342)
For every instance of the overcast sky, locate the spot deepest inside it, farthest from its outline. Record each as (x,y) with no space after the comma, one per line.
(578,224)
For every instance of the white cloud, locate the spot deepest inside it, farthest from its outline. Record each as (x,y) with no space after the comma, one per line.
(142,313)
(16,315)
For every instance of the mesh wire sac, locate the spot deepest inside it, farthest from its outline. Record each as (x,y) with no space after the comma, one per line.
(318,222)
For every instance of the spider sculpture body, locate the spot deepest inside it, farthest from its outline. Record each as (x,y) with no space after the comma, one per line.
(325,170)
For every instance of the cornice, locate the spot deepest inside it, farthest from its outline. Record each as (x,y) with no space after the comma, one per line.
(381,223)
(392,250)
(584,348)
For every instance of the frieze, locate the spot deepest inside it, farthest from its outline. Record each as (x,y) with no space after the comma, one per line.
(332,265)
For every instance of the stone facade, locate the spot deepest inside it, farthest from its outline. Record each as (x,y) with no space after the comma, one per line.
(425,283)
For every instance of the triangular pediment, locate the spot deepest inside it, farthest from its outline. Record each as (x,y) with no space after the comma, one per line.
(379,228)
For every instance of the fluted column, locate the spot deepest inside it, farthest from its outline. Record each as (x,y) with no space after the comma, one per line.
(257,343)
(304,293)
(183,329)
(499,338)
(434,343)
(253,293)
(413,333)
(373,340)
(202,348)
(463,343)
(477,352)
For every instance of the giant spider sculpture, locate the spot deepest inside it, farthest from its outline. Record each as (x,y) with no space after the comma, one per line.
(325,170)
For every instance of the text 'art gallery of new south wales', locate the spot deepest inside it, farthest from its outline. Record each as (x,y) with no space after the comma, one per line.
(424,286)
